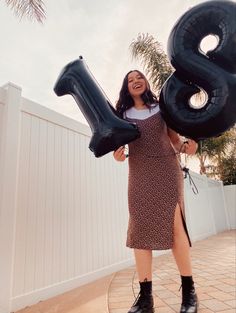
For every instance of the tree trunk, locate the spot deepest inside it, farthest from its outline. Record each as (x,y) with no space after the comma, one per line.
(202,160)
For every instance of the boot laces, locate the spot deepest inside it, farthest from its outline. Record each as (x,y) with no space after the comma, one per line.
(137,299)
(188,296)
(141,300)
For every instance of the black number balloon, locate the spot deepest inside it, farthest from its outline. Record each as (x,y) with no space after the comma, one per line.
(109,131)
(213,72)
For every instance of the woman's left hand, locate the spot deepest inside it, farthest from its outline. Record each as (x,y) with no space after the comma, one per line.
(190,147)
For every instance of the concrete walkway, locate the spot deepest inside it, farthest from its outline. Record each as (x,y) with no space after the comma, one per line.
(214,274)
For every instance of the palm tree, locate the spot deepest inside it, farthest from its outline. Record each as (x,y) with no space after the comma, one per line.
(30,8)
(213,150)
(220,151)
(153,58)
(156,64)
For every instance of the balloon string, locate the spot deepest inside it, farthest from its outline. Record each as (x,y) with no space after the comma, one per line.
(187,174)
(191,182)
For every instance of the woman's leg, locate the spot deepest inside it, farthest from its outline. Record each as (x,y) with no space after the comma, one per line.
(181,248)
(181,252)
(144,302)
(143,260)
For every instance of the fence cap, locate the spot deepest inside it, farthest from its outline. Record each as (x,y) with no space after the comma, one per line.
(11,85)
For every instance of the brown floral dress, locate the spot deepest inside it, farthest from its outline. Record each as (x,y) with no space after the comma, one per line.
(155,187)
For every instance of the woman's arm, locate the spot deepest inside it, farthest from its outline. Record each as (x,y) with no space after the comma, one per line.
(188,147)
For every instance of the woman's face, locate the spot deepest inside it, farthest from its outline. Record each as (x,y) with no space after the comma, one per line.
(137,84)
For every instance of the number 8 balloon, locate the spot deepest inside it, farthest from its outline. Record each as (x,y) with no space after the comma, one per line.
(214,72)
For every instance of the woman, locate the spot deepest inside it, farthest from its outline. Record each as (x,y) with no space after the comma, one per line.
(155,192)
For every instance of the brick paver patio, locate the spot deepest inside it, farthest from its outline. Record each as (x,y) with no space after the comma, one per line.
(214,274)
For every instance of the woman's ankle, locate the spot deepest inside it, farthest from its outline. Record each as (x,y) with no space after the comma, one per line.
(146,287)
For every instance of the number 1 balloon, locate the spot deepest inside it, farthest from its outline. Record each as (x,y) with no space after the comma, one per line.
(213,72)
(109,131)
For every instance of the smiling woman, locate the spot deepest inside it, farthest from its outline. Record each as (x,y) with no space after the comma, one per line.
(155,191)
(135,85)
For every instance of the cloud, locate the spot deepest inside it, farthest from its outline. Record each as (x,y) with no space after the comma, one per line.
(32,55)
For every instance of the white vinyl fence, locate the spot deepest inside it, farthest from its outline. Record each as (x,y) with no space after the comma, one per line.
(63,213)
(230,197)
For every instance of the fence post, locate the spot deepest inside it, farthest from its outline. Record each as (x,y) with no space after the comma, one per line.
(10,138)
(225,206)
(206,181)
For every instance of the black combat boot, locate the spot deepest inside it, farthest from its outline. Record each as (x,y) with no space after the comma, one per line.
(144,300)
(189,297)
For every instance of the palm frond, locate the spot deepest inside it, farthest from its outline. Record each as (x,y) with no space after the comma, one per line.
(153,58)
(30,8)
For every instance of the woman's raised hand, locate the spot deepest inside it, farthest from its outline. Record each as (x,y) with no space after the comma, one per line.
(119,154)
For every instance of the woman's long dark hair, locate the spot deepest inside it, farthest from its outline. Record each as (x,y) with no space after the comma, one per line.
(125,100)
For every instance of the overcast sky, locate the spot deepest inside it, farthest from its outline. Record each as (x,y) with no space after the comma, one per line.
(32,55)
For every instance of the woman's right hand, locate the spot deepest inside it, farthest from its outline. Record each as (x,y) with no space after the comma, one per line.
(119,154)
